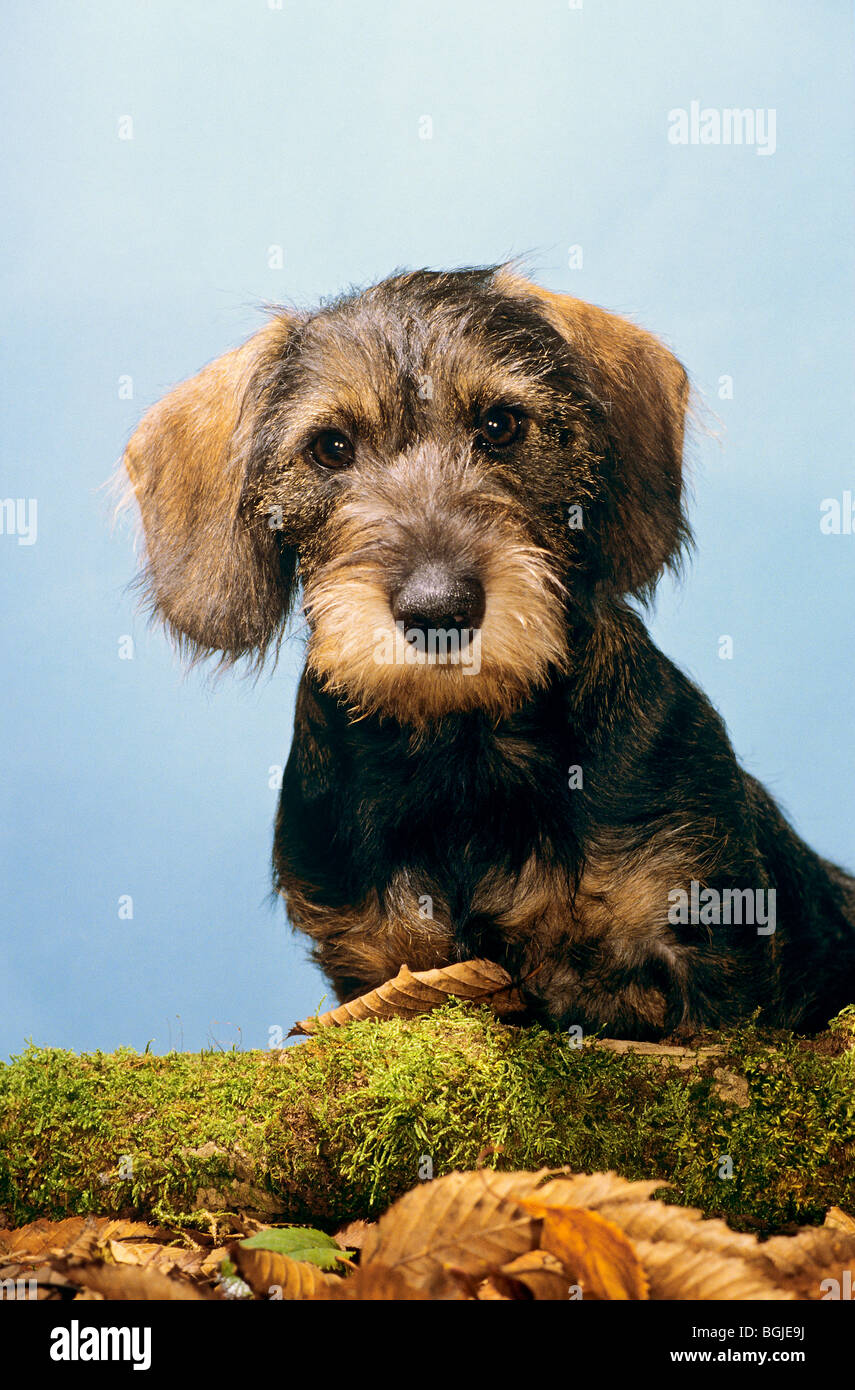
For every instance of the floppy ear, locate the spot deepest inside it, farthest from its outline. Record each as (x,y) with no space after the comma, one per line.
(216,574)
(641,392)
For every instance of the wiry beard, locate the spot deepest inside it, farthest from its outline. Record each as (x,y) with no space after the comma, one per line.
(355,648)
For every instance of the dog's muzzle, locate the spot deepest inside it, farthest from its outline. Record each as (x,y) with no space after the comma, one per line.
(434,599)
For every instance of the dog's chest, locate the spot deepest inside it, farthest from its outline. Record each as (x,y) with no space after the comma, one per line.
(507,853)
(626,906)
(601,954)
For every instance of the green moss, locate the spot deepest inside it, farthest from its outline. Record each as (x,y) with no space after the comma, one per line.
(340,1125)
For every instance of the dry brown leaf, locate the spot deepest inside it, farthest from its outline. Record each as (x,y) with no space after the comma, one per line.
(467,1220)
(72,1253)
(267,1270)
(469,1286)
(595,1253)
(409,993)
(75,1233)
(130,1282)
(489,1293)
(680,1272)
(376,1284)
(656,1221)
(163,1257)
(38,1237)
(48,1284)
(352,1236)
(801,1262)
(592,1190)
(132,1230)
(542,1274)
(213,1260)
(789,1265)
(839,1220)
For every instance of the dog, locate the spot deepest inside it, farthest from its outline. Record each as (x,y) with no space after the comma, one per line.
(475,484)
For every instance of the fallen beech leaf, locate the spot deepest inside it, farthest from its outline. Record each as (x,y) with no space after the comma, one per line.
(267,1270)
(801,1262)
(468,1220)
(412,993)
(40,1236)
(211,1264)
(534,1275)
(377,1284)
(352,1236)
(488,1292)
(47,1283)
(594,1252)
(680,1272)
(839,1220)
(146,1255)
(688,1256)
(133,1230)
(679,1225)
(683,1255)
(790,1265)
(130,1282)
(592,1190)
(298,1243)
(540,1272)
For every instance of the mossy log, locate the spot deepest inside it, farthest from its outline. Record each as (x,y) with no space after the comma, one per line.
(759,1129)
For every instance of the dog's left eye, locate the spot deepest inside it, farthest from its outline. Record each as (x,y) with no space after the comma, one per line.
(332,449)
(499,426)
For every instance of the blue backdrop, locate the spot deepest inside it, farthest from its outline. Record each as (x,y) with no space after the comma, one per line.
(169,168)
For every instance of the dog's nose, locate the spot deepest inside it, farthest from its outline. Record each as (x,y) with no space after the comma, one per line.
(432,597)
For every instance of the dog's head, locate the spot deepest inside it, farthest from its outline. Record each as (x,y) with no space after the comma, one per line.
(450,464)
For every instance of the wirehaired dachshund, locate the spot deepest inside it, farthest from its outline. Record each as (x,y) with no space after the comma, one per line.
(474,483)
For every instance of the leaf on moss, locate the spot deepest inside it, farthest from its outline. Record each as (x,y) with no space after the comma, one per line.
(839,1220)
(409,993)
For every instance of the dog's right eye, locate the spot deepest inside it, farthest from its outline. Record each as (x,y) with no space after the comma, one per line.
(332,449)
